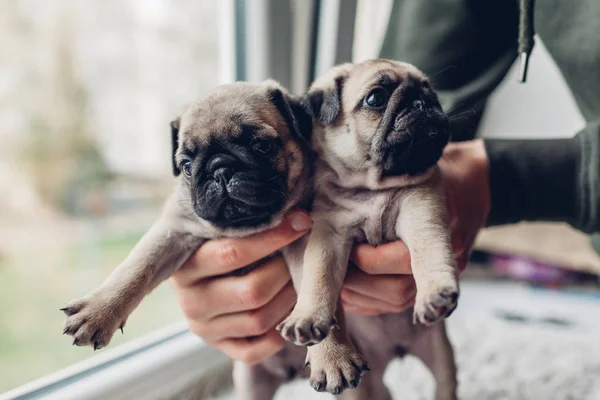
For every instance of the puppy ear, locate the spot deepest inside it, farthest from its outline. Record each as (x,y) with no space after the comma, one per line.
(293,110)
(175,145)
(324,98)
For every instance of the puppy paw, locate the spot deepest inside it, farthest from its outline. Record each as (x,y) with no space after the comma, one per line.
(306,329)
(335,369)
(435,305)
(91,321)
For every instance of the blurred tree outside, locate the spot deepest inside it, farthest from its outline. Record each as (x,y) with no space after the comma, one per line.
(87,91)
(58,143)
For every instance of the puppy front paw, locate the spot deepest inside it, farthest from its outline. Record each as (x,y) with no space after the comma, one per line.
(435,304)
(306,329)
(334,369)
(92,321)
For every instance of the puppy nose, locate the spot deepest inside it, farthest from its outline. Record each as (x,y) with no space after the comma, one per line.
(418,105)
(223,175)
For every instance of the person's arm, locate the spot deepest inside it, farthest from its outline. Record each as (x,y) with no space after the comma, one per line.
(546,180)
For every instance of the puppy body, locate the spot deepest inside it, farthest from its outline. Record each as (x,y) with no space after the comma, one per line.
(378,133)
(338,361)
(242,162)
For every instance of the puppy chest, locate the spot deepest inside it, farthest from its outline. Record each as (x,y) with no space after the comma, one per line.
(380,214)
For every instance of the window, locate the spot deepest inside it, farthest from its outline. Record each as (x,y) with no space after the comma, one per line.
(88,89)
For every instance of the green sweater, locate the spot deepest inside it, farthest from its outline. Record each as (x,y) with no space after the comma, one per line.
(467,48)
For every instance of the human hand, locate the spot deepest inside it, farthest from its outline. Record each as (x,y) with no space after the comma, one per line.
(238,314)
(382,282)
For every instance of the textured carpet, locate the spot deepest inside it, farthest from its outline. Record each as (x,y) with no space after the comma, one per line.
(511,342)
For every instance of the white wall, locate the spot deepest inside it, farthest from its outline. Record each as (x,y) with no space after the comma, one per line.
(542,107)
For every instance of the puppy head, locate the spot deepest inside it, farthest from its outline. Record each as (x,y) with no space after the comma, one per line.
(379,120)
(241,155)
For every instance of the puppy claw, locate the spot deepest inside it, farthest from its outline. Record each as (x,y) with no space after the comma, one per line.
(439,304)
(91,321)
(362,369)
(121,328)
(319,386)
(336,370)
(452,296)
(306,331)
(68,311)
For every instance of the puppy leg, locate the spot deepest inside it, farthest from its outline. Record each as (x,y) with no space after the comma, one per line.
(93,319)
(423,227)
(254,382)
(324,268)
(434,349)
(335,365)
(371,388)
(294,258)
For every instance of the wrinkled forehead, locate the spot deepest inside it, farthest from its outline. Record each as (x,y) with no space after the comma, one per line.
(379,73)
(225,113)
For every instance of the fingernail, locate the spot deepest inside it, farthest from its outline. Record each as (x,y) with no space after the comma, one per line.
(301,222)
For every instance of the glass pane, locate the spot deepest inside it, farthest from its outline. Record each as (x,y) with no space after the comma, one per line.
(87,91)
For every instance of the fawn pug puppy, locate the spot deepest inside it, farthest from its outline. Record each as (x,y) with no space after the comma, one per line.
(241,162)
(378,133)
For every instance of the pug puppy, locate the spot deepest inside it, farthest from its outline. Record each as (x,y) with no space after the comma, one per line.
(241,161)
(378,134)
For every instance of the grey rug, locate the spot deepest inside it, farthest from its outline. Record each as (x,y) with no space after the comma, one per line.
(511,342)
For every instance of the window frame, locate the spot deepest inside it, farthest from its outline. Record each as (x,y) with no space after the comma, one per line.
(154,366)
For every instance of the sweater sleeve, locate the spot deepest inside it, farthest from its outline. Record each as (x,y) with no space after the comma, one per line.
(546,180)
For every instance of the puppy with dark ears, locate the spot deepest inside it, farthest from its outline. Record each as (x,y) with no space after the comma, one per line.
(242,160)
(378,132)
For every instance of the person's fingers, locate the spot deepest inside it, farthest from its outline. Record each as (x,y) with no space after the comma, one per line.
(221,256)
(461,246)
(360,300)
(248,323)
(463,260)
(394,289)
(252,350)
(231,294)
(389,258)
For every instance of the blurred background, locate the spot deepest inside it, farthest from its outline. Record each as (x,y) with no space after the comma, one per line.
(87,90)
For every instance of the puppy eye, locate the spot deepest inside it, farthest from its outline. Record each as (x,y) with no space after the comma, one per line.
(263,146)
(186,167)
(418,105)
(376,98)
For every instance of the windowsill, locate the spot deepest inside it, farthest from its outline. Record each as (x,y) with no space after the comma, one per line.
(155,366)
